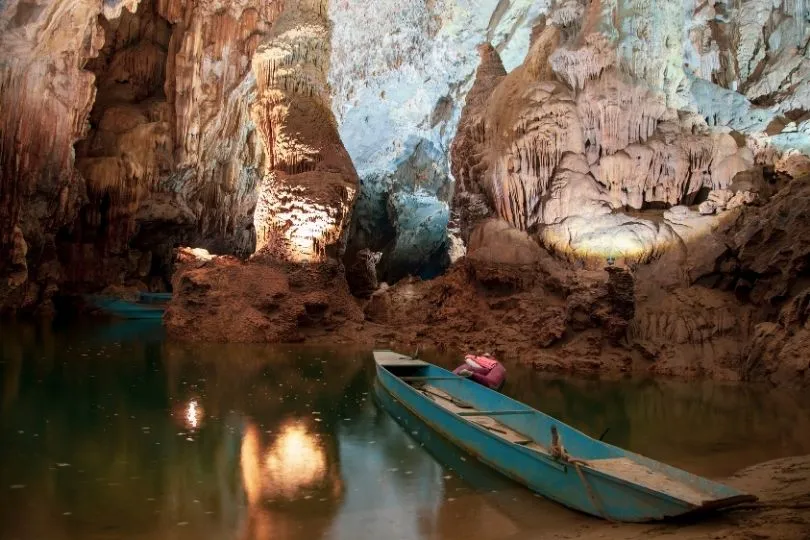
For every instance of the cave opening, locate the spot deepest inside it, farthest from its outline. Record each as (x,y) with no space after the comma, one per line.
(403,216)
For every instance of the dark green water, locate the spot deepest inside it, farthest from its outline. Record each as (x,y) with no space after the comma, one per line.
(109,432)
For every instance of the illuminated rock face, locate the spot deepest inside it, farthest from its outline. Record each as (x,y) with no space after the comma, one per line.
(127,126)
(619,106)
(306,197)
(156,97)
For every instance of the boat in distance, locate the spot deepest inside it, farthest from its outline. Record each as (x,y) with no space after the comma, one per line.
(148,305)
(544,454)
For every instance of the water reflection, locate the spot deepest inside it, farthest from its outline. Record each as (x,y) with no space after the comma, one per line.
(192,414)
(118,434)
(290,466)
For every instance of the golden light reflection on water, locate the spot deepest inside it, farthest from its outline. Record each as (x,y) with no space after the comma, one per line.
(293,462)
(194,414)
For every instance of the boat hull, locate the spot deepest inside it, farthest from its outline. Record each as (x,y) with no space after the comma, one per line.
(128,310)
(577,487)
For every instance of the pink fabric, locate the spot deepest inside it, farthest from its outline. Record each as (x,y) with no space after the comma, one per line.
(493,378)
(483,361)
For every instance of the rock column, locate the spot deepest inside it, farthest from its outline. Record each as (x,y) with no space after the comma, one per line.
(308,190)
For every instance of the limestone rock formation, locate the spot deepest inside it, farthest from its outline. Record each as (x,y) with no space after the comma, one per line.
(133,126)
(612,110)
(361,273)
(400,72)
(306,197)
(155,96)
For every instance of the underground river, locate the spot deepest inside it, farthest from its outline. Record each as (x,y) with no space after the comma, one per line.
(109,431)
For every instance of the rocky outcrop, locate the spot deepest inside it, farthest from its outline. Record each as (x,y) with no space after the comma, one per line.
(361,273)
(768,267)
(735,306)
(222,299)
(510,297)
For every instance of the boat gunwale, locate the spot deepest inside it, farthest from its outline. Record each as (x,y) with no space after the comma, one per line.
(690,507)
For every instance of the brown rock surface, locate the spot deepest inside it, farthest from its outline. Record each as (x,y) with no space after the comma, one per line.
(222,299)
(732,306)
(533,310)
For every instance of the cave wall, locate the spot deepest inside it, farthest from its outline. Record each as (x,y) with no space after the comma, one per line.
(45,99)
(400,72)
(656,87)
(131,127)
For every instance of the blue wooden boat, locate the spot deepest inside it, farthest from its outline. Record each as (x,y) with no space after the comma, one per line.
(154,298)
(544,454)
(126,309)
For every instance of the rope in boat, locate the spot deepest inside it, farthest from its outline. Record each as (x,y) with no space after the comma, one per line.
(591,495)
(559,453)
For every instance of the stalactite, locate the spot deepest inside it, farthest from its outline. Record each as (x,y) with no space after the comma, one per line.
(578,66)
(616,114)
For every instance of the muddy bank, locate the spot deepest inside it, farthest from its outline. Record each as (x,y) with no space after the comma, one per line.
(783,511)
(544,313)
(733,305)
